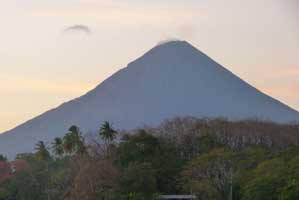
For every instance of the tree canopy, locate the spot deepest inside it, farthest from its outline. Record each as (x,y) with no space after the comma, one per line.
(209,159)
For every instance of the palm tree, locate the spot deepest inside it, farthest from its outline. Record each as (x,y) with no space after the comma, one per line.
(107,133)
(73,141)
(42,151)
(57,146)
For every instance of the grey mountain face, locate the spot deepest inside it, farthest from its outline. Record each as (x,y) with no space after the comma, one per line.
(173,79)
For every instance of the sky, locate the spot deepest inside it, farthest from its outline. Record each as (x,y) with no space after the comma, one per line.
(55,50)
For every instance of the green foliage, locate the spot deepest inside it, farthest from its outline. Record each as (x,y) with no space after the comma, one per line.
(42,152)
(163,157)
(30,157)
(138,181)
(214,174)
(73,142)
(107,133)
(195,144)
(3,158)
(57,146)
(23,187)
(143,165)
(263,188)
(210,175)
(168,167)
(142,147)
(273,179)
(290,191)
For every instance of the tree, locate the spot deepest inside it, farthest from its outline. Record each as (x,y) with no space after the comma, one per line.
(30,157)
(162,155)
(107,133)
(210,176)
(266,180)
(141,147)
(277,178)
(290,191)
(23,187)
(139,180)
(3,158)
(42,151)
(73,141)
(93,179)
(58,146)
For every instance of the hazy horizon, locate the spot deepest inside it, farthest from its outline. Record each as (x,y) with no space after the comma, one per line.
(54,51)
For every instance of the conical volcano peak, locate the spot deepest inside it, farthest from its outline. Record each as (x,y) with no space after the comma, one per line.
(173,44)
(173,47)
(169,52)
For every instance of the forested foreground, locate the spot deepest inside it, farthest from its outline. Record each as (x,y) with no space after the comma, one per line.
(212,159)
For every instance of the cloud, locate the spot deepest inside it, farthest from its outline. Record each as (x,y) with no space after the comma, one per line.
(290,71)
(78,28)
(35,85)
(289,74)
(187,31)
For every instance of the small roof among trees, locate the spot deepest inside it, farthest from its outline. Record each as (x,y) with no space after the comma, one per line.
(178,197)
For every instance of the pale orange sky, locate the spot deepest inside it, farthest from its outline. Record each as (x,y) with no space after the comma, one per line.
(43,66)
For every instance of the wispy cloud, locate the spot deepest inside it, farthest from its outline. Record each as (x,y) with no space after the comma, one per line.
(187,31)
(78,28)
(35,85)
(289,71)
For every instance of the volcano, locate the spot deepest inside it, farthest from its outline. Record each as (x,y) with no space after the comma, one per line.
(173,79)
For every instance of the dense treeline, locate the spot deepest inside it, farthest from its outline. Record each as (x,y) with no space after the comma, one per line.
(212,159)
